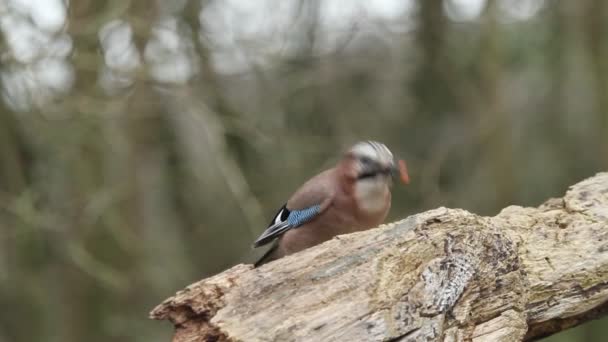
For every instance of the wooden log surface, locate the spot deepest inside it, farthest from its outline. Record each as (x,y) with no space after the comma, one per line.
(442,275)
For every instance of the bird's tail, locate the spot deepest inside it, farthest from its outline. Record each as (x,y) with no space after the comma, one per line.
(271,233)
(268,256)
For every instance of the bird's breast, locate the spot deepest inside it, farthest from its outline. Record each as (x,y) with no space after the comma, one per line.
(372,196)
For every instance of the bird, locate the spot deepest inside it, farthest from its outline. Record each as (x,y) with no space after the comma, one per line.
(354,195)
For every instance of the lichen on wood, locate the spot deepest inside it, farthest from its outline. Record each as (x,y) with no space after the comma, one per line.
(442,275)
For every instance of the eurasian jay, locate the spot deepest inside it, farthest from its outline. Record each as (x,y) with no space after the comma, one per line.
(354,195)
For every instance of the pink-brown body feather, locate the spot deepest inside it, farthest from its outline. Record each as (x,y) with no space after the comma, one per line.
(340,211)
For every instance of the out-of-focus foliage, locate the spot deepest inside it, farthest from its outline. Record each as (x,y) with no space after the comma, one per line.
(144,144)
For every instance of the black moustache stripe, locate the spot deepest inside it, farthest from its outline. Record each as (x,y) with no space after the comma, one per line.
(372,174)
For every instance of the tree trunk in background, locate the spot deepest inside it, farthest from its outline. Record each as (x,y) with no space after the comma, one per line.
(595,15)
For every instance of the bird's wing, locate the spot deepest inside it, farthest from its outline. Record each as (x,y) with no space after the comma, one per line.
(307,203)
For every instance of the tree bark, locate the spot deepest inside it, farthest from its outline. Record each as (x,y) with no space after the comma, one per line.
(442,275)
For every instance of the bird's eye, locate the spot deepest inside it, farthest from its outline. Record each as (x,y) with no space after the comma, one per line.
(366,160)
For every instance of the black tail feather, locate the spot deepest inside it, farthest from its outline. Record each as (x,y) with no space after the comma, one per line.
(268,256)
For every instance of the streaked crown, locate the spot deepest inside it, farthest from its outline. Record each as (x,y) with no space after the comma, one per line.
(376,151)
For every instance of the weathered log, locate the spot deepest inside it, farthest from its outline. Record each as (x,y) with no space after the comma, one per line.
(444,274)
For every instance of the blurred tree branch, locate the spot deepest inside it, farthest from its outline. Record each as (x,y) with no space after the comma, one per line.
(442,275)
(595,25)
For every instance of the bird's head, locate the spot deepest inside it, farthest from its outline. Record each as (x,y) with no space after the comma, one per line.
(371,160)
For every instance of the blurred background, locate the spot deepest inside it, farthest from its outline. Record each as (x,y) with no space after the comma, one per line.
(145,144)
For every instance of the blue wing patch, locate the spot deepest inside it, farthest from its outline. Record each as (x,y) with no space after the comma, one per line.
(284,220)
(298,217)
